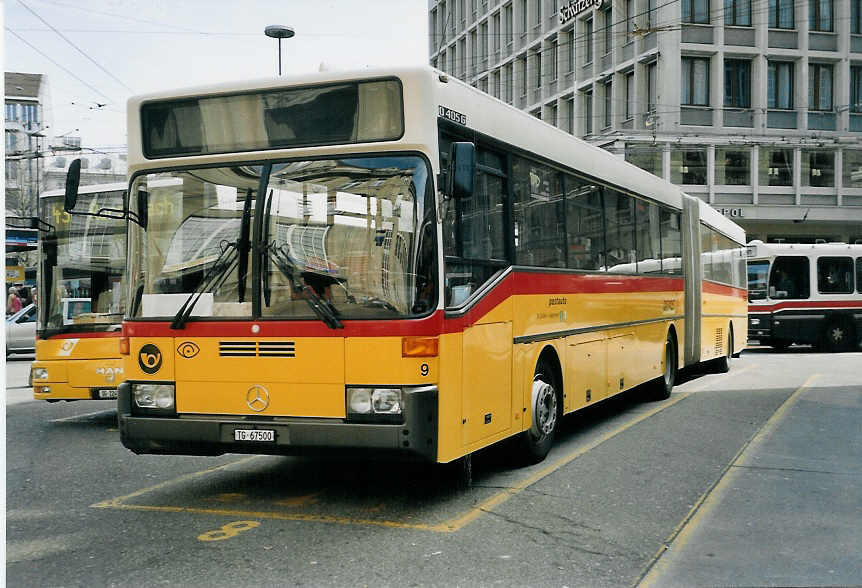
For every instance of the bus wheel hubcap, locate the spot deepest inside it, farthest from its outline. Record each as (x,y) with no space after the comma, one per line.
(544,408)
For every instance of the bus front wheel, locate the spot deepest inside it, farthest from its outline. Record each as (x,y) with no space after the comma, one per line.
(547,409)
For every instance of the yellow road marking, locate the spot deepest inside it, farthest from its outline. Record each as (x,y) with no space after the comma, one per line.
(448,526)
(680,536)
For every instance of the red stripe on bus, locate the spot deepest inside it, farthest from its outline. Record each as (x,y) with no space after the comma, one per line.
(805,304)
(723,289)
(521,283)
(428,326)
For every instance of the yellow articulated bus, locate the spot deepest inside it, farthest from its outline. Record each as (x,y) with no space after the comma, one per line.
(80,292)
(394,263)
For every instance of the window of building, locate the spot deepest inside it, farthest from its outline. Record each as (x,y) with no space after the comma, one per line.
(856,17)
(537,60)
(570,111)
(507,24)
(776,167)
(586,241)
(688,166)
(835,275)
(820,15)
(609,35)
(652,87)
(856,88)
(630,95)
(732,167)
(588,41)
(737,83)
(11,112)
(852,164)
(818,168)
(646,157)
(522,63)
(737,13)
(524,26)
(695,81)
(538,21)
(652,14)
(820,86)
(588,113)
(554,57)
(630,19)
(695,11)
(509,83)
(11,141)
(781,14)
(779,85)
(609,91)
(11,170)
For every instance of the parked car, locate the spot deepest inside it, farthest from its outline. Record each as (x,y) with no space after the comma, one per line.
(21,331)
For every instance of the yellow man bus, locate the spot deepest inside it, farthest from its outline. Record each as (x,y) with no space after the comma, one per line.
(393,262)
(80,297)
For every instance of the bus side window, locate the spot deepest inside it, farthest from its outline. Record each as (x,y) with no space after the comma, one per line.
(835,275)
(859,274)
(790,278)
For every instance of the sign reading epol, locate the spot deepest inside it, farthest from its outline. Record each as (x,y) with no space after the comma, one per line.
(575,7)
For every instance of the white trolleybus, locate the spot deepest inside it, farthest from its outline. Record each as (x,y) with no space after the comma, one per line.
(807,294)
(394,262)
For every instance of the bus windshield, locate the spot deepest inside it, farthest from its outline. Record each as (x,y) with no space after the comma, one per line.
(324,239)
(758,273)
(82,265)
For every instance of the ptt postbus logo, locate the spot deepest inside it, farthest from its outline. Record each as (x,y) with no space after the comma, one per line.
(150,358)
(188,349)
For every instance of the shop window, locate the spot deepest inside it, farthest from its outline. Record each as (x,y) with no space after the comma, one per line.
(818,169)
(688,166)
(732,167)
(776,167)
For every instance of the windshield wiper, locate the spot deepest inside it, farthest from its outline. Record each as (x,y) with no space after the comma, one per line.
(222,266)
(263,247)
(243,245)
(322,308)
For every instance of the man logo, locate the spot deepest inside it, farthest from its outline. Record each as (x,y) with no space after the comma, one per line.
(150,359)
(188,349)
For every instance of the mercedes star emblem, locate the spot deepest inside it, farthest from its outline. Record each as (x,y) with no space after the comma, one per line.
(257,398)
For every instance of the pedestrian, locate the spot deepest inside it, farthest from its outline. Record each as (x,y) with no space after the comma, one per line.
(24,295)
(13,302)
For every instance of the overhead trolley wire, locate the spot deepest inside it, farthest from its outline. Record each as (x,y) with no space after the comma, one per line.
(78,49)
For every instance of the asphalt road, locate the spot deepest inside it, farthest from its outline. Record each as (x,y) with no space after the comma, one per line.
(746,478)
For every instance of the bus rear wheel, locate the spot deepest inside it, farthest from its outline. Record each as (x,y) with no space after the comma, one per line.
(547,407)
(663,386)
(839,335)
(722,364)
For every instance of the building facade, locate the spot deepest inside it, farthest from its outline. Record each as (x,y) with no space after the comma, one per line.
(755,106)
(27,118)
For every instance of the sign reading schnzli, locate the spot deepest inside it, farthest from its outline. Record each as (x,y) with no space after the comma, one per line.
(575,7)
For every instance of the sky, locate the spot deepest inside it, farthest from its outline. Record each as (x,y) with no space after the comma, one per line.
(98,53)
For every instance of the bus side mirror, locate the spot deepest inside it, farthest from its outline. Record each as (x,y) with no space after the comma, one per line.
(143,199)
(73,179)
(462,170)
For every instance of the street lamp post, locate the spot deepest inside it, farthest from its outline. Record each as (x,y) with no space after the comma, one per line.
(279,32)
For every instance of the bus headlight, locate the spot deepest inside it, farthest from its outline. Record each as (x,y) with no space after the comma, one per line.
(40,373)
(158,396)
(374,401)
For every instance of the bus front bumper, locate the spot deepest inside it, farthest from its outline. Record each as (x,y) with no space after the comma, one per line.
(191,434)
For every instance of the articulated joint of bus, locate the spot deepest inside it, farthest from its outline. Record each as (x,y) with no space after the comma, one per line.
(399,422)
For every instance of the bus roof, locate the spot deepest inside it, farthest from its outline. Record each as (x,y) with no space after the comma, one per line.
(758,249)
(425,90)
